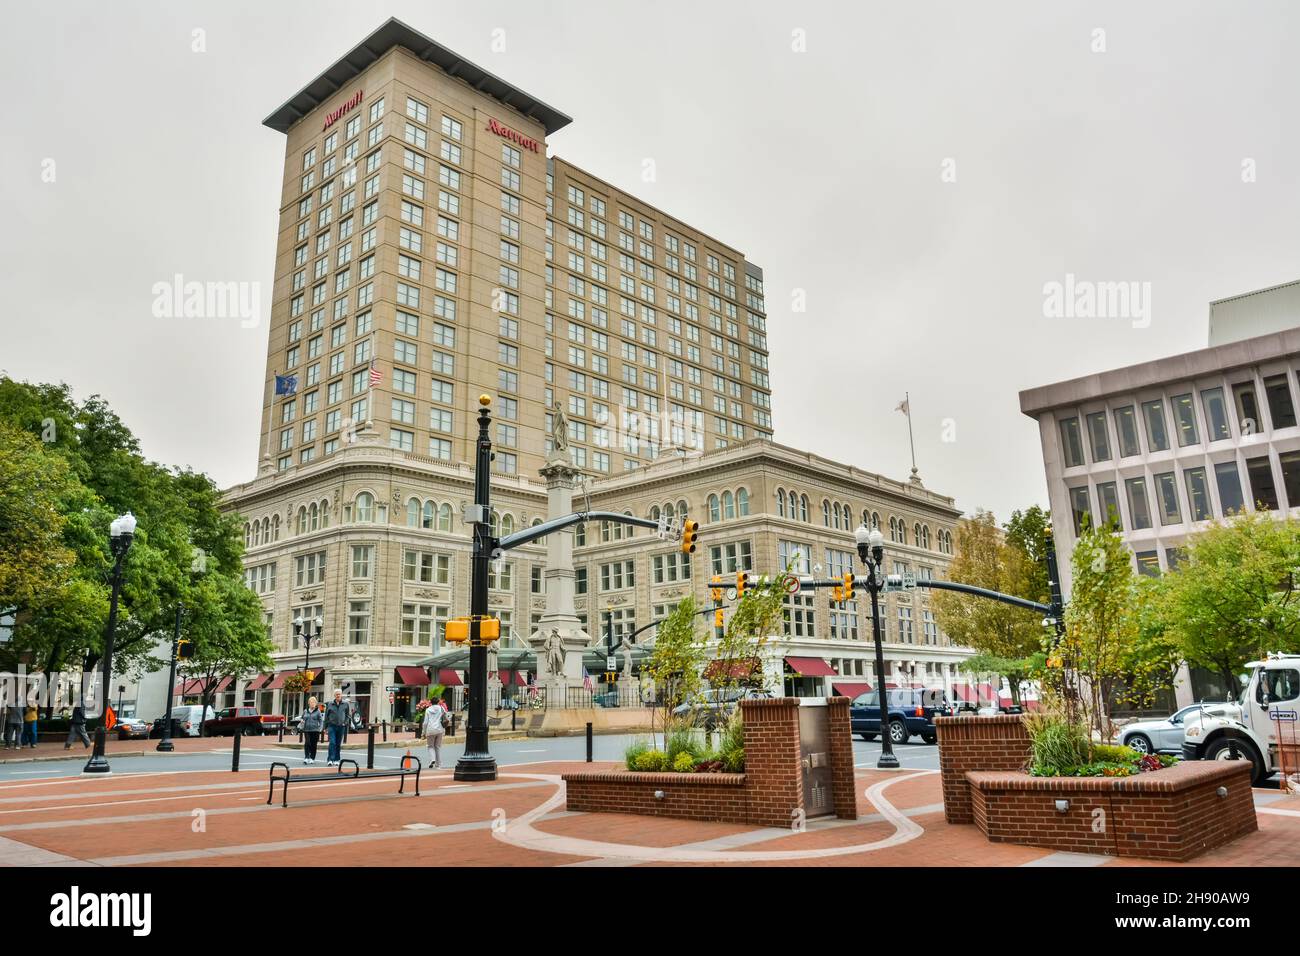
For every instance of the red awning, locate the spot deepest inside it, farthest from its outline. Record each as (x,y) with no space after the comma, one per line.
(277,682)
(448,678)
(520,680)
(851,691)
(225,683)
(810,667)
(741,668)
(187,687)
(413,676)
(254,682)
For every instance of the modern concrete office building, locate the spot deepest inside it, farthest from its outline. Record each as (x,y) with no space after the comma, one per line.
(431,251)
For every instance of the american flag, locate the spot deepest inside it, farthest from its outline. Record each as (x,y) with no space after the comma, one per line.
(586,680)
(376,376)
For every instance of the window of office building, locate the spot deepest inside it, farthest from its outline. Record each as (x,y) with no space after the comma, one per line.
(1290,464)
(1138,508)
(1248,418)
(1263,490)
(1216,414)
(1126,429)
(1277,390)
(1229,481)
(1071,443)
(1157,435)
(1098,437)
(1198,494)
(1185,417)
(1148,564)
(1167,498)
(1080,507)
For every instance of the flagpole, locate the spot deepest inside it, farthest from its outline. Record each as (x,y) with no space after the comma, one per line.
(907,399)
(370,387)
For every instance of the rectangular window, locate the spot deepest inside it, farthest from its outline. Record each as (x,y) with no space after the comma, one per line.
(1138,508)
(1167,498)
(1216,414)
(1229,482)
(362,560)
(1290,464)
(1071,443)
(1278,392)
(1263,490)
(1108,498)
(358,622)
(1249,421)
(1126,429)
(1148,564)
(1198,494)
(1157,434)
(1185,417)
(1080,507)
(1098,437)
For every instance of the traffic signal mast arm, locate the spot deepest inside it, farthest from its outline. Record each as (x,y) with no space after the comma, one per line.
(860,584)
(526,535)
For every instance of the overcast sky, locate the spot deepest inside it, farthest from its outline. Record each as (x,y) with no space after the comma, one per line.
(914,172)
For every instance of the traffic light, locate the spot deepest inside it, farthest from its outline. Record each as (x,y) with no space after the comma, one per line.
(690,531)
(717,618)
(742,582)
(715,588)
(185,649)
(848,586)
(837,594)
(458,630)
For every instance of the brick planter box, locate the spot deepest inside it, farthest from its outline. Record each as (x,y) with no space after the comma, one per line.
(769,792)
(1171,814)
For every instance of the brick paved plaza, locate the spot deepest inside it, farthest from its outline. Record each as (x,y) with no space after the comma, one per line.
(153,819)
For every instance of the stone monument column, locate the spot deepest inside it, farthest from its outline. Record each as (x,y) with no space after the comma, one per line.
(559,640)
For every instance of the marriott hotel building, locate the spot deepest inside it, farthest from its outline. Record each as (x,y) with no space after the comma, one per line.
(429,251)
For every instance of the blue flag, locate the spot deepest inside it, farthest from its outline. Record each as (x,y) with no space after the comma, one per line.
(286,384)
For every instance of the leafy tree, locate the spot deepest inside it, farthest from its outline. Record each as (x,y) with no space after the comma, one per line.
(676,657)
(1027,530)
(1233,598)
(1101,626)
(737,655)
(33,487)
(224,621)
(986,557)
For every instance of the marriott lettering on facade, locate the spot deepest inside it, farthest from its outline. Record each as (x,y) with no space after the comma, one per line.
(332,118)
(514,136)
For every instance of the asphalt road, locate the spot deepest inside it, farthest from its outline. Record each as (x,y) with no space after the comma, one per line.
(912,756)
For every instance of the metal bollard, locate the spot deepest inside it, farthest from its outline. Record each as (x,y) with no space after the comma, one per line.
(453,724)
(588,741)
(384,725)
(234,753)
(513,714)
(370,747)
(280,738)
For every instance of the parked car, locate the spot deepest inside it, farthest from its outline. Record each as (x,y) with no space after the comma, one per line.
(1165,735)
(910,711)
(245,721)
(187,721)
(131,728)
(714,707)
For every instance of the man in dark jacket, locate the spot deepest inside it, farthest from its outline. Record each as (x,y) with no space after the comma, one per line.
(77,728)
(338,716)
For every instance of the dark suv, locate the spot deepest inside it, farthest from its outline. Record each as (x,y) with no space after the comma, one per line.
(910,712)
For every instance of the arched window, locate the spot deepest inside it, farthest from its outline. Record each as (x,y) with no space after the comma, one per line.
(302,519)
(780,502)
(507,524)
(794,506)
(580,536)
(715,513)
(924,540)
(413,512)
(916,533)
(826,513)
(365,507)
(835,515)
(275,527)
(742,502)
(902,531)
(728,505)
(325,514)
(628,530)
(444,517)
(803,507)
(253,538)
(681,508)
(893,529)
(875,520)
(655,514)
(494,523)
(313,516)
(669,512)
(248,534)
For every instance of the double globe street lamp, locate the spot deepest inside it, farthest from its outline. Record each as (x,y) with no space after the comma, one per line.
(120,534)
(871,549)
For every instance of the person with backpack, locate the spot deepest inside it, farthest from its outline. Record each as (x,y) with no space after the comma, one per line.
(77,728)
(436,723)
(13,726)
(313,720)
(338,715)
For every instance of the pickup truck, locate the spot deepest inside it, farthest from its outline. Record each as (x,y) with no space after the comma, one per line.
(910,712)
(245,721)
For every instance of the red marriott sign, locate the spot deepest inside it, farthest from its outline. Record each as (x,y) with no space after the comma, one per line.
(514,136)
(332,118)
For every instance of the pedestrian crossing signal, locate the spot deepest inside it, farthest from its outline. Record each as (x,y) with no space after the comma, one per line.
(690,531)
(458,629)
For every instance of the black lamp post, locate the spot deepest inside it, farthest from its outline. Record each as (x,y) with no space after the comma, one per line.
(309,629)
(121,533)
(871,549)
(476,763)
(165,745)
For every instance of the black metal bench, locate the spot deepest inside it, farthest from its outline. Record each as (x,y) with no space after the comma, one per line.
(403,770)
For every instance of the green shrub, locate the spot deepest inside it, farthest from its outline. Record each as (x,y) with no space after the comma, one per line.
(634,751)
(1109,753)
(684,763)
(652,761)
(1057,744)
(684,739)
(733,759)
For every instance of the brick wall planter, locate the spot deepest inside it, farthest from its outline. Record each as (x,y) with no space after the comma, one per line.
(768,793)
(1171,814)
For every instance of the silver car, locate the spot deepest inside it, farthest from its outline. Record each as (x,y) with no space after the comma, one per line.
(1166,734)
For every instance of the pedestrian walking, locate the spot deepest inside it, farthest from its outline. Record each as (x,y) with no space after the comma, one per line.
(29,726)
(313,719)
(437,720)
(338,715)
(77,728)
(13,726)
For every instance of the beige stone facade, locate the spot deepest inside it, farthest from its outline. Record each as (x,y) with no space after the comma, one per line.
(425,233)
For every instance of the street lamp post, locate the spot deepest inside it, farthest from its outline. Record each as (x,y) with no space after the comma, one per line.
(165,745)
(119,542)
(303,627)
(871,550)
(477,763)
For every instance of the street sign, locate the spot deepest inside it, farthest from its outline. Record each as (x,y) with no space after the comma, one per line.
(392,688)
(909,581)
(390,698)
(791,584)
(611,662)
